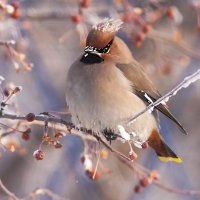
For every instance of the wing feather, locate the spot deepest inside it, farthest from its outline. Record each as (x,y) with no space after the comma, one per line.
(145,89)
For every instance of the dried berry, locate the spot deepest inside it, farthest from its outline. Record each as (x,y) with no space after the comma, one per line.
(30,117)
(58,145)
(17,89)
(46,138)
(104,154)
(58,135)
(51,142)
(39,154)
(154,175)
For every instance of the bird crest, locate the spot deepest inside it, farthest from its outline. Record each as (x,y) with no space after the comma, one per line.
(108,25)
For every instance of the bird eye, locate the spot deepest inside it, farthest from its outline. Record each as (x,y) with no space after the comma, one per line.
(90,49)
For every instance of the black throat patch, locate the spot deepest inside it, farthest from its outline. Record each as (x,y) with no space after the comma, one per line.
(91,58)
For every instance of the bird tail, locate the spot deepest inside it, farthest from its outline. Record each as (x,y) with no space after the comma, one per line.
(165,154)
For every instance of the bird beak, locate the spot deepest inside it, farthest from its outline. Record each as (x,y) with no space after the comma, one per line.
(90,49)
(93,50)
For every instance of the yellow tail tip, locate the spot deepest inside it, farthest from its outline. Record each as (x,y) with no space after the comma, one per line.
(170,159)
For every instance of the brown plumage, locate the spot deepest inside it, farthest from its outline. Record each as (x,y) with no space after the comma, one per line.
(106,86)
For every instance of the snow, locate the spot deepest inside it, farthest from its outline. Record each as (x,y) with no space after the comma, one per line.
(124,134)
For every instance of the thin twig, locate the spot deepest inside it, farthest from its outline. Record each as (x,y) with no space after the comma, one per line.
(40,117)
(185,83)
(68,127)
(97,164)
(136,168)
(46,192)
(177,191)
(157,35)
(7,43)
(8,192)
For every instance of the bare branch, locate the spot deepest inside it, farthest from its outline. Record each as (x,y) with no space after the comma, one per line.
(7,43)
(135,168)
(69,127)
(40,117)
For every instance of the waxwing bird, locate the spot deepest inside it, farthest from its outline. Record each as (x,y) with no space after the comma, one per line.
(106,86)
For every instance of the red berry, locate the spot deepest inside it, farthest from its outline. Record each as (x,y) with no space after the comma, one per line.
(145,145)
(15,4)
(91,175)
(146,28)
(15,14)
(140,37)
(132,155)
(30,117)
(170,12)
(25,136)
(137,43)
(76,18)
(137,189)
(85,3)
(144,182)
(39,154)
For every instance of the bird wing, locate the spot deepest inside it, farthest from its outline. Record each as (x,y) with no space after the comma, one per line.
(145,89)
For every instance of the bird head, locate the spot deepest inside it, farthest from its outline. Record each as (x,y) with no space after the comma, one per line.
(103,42)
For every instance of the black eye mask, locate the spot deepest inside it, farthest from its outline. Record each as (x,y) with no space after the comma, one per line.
(90,49)
(91,54)
(91,58)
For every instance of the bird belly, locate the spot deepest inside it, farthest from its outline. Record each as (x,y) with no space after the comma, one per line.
(98,106)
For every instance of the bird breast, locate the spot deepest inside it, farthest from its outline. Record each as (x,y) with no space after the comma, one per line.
(99,96)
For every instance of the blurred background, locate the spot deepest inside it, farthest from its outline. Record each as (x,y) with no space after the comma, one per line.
(162,34)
